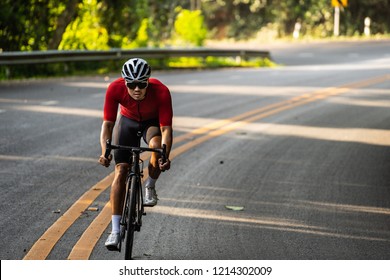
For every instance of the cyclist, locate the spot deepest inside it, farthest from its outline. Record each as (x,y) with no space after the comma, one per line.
(145,111)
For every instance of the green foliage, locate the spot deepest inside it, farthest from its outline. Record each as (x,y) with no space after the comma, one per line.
(28,25)
(315,17)
(141,39)
(85,32)
(190,27)
(244,19)
(102,24)
(239,19)
(216,62)
(122,20)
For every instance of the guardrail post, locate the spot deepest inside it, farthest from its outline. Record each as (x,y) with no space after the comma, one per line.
(238,59)
(367,23)
(66,67)
(7,72)
(336,27)
(297,29)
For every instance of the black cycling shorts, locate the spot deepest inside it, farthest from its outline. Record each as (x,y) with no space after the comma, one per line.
(128,132)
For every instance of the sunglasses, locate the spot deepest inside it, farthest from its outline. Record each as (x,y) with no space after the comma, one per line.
(140,85)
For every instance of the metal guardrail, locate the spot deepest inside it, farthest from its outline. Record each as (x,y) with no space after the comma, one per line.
(35,57)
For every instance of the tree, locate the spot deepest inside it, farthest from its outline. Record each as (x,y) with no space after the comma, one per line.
(31,25)
(86,31)
(40,25)
(122,19)
(63,20)
(357,11)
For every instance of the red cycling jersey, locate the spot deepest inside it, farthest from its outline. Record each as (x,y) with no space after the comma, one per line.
(157,103)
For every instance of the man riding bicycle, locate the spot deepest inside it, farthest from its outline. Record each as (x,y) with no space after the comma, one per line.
(145,111)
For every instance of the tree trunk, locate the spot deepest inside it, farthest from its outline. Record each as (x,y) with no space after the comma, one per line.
(62,22)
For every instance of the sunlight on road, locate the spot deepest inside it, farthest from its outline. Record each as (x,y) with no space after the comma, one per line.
(358,135)
(370,136)
(54,157)
(271,223)
(61,110)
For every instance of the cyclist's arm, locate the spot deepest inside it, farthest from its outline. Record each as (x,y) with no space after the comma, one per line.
(165,117)
(106,133)
(167,138)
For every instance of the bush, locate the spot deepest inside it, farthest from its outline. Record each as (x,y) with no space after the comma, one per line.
(190,27)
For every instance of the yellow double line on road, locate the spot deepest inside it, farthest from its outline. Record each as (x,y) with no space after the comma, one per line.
(83,248)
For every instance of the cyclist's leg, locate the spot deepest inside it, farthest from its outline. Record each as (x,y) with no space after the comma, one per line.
(117,199)
(125,133)
(118,188)
(152,136)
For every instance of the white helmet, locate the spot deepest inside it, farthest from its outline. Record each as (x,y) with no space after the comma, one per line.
(136,69)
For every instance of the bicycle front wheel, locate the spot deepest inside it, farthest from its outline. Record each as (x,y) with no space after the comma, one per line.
(132,209)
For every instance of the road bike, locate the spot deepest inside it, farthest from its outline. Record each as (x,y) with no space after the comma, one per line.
(133,208)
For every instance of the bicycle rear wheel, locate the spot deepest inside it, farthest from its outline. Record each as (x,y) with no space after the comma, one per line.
(132,215)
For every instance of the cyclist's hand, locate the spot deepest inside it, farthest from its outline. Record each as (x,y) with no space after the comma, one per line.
(164,166)
(105,161)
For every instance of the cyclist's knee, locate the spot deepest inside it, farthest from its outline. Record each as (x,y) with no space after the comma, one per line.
(155,143)
(121,169)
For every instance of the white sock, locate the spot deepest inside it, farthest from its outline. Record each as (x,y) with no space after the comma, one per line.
(150,182)
(115,223)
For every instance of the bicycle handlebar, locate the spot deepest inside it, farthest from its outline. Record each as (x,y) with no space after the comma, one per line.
(110,147)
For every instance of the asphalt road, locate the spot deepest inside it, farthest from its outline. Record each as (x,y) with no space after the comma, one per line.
(301,151)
